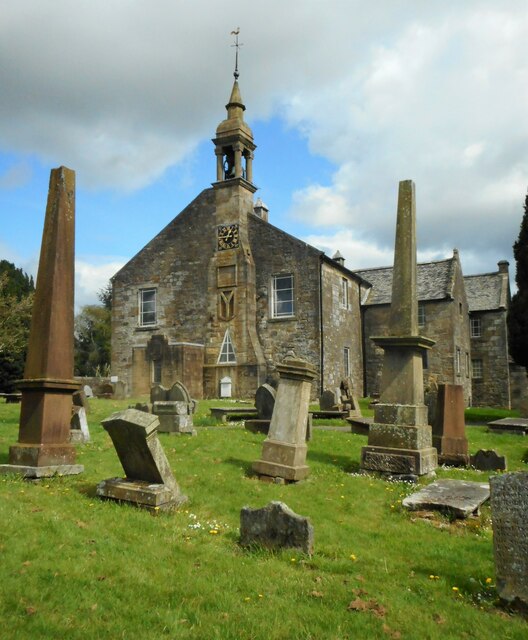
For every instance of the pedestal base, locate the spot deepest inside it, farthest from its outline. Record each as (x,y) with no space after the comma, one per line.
(145,495)
(41,472)
(452,451)
(42,455)
(399,461)
(283,460)
(174,423)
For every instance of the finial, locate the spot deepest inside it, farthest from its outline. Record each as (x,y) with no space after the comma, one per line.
(237,46)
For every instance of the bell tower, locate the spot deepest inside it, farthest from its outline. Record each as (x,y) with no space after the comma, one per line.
(233,349)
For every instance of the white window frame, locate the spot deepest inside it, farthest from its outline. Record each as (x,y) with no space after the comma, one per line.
(477,369)
(475,327)
(278,305)
(344,293)
(227,353)
(421,315)
(346,361)
(144,307)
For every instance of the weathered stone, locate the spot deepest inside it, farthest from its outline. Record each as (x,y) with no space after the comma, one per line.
(517,426)
(257,426)
(158,393)
(509,511)
(457,497)
(79,398)
(120,390)
(449,427)
(265,401)
(104,390)
(141,406)
(88,391)
(328,401)
(276,526)
(178,393)
(80,432)
(488,460)
(284,450)
(175,416)
(48,385)
(147,470)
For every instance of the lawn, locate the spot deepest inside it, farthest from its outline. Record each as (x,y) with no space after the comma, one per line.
(75,567)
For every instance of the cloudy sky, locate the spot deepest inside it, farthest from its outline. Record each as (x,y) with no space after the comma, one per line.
(345,99)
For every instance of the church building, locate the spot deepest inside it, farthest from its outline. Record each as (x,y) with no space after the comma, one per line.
(220,295)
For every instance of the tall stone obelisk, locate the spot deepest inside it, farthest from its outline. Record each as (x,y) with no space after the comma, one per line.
(400,439)
(43,447)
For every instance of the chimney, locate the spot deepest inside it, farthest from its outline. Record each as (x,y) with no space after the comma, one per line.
(503,266)
(261,210)
(337,257)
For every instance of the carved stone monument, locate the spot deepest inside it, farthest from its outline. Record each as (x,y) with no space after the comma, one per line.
(284,450)
(449,427)
(264,404)
(174,408)
(80,432)
(149,482)
(509,512)
(400,439)
(43,447)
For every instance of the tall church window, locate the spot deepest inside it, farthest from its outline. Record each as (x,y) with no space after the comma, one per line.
(282,296)
(344,293)
(227,352)
(147,307)
(156,371)
(346,361)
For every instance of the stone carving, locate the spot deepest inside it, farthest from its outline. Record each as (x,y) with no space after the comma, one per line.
(44,446)
(449,427)
(284,450)
(457,497)
(509,512)
(400,425)
(148,481)
(276,526)
(79,426)
(488,460)
(174,408)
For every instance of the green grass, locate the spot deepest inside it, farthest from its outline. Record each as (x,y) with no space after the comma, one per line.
(77,567)
(482,415)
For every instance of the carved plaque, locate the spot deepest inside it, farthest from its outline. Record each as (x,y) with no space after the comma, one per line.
(226,276)
(387,462)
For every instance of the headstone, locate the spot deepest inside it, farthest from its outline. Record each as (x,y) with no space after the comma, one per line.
(449,427)
(178,393)
(509,513)
(488,460)
(456,497)
(158,392)
(265,401)
(225,387)
(148,481)
(276,526)
(79,398)
(104,390)
(141,406)
(119,390)
(44,446)
(174,407)
(79,426)
(88,391)
(400,438)
(284,450)
(516,426)
(328,401)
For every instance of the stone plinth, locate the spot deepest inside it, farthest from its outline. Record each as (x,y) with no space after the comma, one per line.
(459,498)
(174,408)
(149,481)
(449,427)
(44,432)
(284,450)
(509,512)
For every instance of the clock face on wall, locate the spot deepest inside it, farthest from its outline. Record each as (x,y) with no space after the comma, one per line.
(228,236)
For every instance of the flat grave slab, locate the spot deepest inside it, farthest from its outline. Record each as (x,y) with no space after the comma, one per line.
(518,426)
(458,497)
(360,425)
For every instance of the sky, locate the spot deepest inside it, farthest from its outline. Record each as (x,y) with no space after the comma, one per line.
(345,99)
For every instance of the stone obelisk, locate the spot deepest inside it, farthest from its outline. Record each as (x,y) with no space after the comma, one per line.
(400,439)
(43,447)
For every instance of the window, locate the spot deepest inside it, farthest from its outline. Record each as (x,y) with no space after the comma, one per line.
(282,296)
(346,361)
(156,371)
(425,359)
(457,361)
(344,293)
(421,315)
(467,364)
(227,352)
(475,325)
(147,307)
(477,369)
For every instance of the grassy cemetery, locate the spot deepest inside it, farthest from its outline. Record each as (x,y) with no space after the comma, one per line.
(79,567)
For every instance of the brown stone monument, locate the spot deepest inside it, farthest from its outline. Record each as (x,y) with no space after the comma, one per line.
(43,447)
(284,450)
(449,427)
(400,440)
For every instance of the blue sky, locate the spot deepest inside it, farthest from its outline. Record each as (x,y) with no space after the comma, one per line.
(344,100)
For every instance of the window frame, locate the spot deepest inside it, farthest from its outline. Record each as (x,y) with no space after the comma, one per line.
(275,302)
(142,312)
(346,361)
(421,314)
(475,327)
(477,369)
(227,349)
(344,293)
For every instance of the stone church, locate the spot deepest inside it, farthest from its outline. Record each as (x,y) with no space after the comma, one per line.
(220,295)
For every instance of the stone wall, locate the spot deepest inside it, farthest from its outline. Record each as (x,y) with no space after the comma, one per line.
(493,389)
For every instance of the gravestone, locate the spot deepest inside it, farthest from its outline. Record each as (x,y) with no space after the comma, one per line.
(141,406)
(517,426)
(328,401)
(119,390)
(284,450)
(265,401)
(148,482)
(276,526)
(488,460)
(44,447)
(509,513)
(449,427)
(79,426)
(400,438)
(104,390)
(348,399)
(88,391)
(460,498)
(158,392)
(79,398)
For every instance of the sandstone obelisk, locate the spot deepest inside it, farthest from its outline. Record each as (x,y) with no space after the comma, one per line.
(43,447)
(400,439)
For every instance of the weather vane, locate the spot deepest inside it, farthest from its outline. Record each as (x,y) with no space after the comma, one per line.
(237,46)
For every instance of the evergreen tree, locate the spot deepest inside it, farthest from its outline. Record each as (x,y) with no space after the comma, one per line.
(518,312)
(92,340)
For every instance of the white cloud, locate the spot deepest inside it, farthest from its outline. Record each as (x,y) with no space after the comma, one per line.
(90,278)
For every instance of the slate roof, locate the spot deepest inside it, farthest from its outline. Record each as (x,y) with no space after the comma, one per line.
(435,281)
(487,291)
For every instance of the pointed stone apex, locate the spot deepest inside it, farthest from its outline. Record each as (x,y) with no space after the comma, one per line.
(235,99)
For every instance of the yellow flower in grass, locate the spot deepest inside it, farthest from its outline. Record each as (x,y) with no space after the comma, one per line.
(455,589)
(489,580)
(353,557)
(213,532)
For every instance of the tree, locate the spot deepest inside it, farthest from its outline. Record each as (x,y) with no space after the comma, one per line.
(16,301)
(92,340)
(518,312)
